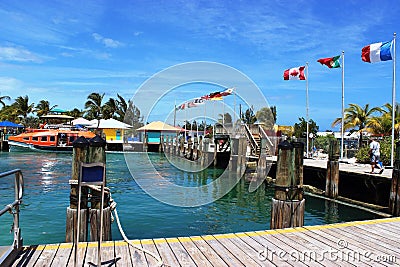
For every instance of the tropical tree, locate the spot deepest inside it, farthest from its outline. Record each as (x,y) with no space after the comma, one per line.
(2,98)
(110,108)
(76,113)
(357,118)
(383,125)
(267,115)
(133,116)
(8,113)
(226,118)
(122,108)
(300,129)
(22,107)
(248,116)
(43,108)
(94,106)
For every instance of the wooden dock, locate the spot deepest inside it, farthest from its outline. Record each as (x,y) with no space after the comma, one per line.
(361,243)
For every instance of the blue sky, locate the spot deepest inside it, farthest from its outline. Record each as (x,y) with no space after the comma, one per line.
(62,51)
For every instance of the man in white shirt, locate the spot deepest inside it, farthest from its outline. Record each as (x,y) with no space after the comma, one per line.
(374,153)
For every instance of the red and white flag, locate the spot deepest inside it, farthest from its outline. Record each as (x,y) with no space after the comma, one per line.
(294,73)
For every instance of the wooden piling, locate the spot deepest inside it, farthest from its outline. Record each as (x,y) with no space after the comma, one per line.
(97,153)
(332,170)
(79,154)
(288,203)
(394,198)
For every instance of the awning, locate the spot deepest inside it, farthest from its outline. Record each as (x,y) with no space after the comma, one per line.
(10,124)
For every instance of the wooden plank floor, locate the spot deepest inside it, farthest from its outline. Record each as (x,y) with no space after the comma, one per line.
(362,243)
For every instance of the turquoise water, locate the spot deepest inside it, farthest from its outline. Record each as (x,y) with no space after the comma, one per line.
(46,198)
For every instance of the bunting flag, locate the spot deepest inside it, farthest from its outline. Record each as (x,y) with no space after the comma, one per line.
(181,107)
(376,52)
(218,95)
(294,73)
(330,62)
(227,92)
(198,101)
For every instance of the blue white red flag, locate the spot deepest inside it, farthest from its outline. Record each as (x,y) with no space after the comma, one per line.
(377,52)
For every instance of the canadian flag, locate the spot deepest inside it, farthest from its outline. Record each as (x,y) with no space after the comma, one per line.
(294,73)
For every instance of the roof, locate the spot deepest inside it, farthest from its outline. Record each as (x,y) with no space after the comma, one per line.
(109,124)
(10,124)
(159,126)
(56,116)
(81,121)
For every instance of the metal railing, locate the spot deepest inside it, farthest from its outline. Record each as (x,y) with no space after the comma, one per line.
(13,208)
(250,137)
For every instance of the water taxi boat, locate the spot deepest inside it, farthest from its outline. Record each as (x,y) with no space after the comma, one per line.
(54,140)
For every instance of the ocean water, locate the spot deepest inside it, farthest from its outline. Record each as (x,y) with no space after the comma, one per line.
(46,198)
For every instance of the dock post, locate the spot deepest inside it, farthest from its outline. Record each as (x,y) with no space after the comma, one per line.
(288,203)
(241,162)
(97,153)
(80,149)
(234,154)
(161,145)
(332,170)
(394,199)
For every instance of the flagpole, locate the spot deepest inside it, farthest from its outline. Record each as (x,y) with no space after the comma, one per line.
(393,99)
(205,119)
(342,130)
(307,117)
(175,113)
(234,110)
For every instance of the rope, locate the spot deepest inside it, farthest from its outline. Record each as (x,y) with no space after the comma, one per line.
(113,206)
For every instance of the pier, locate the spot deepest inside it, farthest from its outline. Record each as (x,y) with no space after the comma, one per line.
(360,243)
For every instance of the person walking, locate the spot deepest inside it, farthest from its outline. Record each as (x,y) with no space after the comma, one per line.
(375,154)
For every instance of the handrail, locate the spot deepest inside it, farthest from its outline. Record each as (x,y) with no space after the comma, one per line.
(13,208)
(250,136)
(264,135)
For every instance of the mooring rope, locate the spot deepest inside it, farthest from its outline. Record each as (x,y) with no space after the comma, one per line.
(113,207)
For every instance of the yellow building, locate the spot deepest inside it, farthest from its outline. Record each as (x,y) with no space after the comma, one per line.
(113,131)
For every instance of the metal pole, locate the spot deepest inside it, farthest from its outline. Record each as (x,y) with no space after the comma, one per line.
(234,110)
(342,127)
(175,114)
(307,117)
(393,98)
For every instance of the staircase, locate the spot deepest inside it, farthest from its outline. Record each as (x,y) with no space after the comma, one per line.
(257,151)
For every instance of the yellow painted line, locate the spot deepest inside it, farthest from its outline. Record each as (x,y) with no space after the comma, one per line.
(220,236)
(172,240)
(185,239)
(196,238)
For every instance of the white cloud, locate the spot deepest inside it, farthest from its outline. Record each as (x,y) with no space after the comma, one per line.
(107,42)
(9,85)
(9,53)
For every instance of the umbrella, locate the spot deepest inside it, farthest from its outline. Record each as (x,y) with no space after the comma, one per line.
(10,124)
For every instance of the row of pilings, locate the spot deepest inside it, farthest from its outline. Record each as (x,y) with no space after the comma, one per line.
(288,202)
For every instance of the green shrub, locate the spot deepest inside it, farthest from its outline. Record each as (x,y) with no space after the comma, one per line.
(386,146)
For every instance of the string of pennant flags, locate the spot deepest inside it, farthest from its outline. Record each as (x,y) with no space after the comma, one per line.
(215,96)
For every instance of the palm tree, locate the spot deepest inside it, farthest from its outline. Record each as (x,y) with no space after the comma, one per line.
(357,117)
(122,108)
(387,116)
(43,108)
(94,106)
(76,113)
(22,106)
(110,108)
(2,98)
